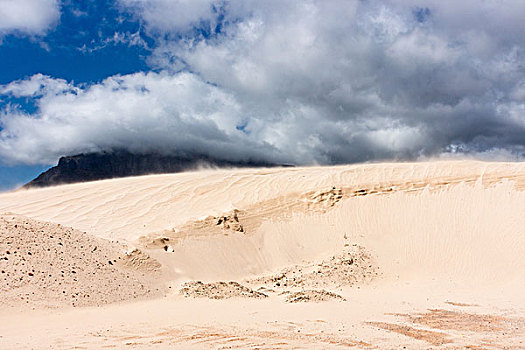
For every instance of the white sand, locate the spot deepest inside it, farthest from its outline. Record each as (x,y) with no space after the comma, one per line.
(389,242)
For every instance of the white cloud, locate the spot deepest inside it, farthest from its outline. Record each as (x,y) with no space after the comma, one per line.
(32,17)
(36,86)
(139,112)
(118,38)
(171,15)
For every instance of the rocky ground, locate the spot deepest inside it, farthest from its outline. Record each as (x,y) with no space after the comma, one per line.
(48,265)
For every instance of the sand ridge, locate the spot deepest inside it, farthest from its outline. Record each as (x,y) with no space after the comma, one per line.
(131,207)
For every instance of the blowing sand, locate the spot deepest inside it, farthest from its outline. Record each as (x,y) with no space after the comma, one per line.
(380,256)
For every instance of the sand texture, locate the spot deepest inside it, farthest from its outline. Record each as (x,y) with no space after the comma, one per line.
(218,290)
(51,266)
(378,256)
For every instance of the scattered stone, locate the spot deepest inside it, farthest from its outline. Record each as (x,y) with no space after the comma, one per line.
(353,266)
(312,296)
(230,222)
(50,274)
(218,290)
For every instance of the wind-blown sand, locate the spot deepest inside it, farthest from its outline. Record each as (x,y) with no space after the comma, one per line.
(379,256)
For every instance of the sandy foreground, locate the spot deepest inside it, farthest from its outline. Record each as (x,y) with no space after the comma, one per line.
(380,256)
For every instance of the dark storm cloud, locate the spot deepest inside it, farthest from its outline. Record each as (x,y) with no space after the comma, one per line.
(297,81)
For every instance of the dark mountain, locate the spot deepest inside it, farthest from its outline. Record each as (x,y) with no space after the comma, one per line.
(98,166)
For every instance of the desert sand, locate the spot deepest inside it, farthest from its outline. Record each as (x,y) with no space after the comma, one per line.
(427,255)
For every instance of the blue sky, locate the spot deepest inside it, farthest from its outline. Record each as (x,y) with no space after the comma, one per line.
(301,81)
(60,53)
(75,50)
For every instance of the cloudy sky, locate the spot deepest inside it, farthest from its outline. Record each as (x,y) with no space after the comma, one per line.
(295,81)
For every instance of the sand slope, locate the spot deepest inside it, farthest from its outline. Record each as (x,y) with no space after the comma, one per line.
(130,207)
(48,265)
(420,255)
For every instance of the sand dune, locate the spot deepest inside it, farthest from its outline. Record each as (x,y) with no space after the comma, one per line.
(48,265)
(130,207)
(366,250)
